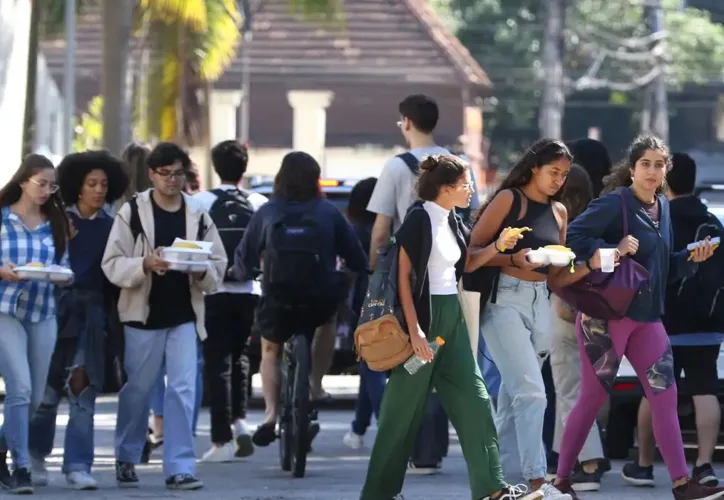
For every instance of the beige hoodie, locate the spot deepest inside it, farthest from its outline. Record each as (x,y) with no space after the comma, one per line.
(123,260)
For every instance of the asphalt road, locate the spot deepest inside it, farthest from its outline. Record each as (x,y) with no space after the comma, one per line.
(334,471)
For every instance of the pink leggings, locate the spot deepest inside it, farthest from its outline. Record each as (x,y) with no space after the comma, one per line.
(646,345)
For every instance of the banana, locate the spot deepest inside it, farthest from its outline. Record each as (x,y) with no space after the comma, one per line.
(515,231)
(186,244)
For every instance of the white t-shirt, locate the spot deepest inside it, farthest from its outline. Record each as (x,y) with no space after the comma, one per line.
(396,188)
(445,251)
(207,199)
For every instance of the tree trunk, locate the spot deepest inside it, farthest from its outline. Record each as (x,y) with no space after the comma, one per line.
(32,80)
(117,26)
(660,124)
(553,101)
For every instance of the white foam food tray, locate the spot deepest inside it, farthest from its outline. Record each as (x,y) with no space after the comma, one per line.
(546,257)
(187,266)
(53,273)
(200,254)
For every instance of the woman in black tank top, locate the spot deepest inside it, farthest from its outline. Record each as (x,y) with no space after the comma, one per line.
(515,320)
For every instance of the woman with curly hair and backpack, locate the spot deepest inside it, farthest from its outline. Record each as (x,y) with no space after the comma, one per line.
(432,244)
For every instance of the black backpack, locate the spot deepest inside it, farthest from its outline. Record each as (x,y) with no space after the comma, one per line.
(414,165)
(299,291)
(696,304)
(231,213)
(137,228)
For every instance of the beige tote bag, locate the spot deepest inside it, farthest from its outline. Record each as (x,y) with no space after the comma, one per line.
(470,304)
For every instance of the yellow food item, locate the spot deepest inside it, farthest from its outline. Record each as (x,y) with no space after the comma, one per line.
(713,247)
(518,230)
(186,244)
(557,248)
(34,264)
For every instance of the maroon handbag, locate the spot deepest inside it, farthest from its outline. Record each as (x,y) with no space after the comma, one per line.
(607,295)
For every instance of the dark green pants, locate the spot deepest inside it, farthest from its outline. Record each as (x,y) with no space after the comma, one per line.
(456,376)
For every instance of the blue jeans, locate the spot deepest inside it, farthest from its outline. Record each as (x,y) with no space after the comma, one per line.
(78,450)
(490,372)
(517,333)
(25,353)
(145,351)
(371,388)
(160,389)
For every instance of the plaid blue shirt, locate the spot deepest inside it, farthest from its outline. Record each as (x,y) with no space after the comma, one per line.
(29,301)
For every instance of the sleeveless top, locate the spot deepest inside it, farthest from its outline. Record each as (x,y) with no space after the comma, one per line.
(544,227)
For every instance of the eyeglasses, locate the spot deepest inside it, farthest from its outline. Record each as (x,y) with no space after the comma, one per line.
(52,188)
(178,174)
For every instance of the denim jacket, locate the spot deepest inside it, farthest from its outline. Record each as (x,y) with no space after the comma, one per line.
(601,226)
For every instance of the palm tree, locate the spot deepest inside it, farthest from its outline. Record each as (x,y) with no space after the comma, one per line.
(193,42)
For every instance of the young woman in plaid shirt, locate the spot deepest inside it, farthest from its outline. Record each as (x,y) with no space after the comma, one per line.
(33,228)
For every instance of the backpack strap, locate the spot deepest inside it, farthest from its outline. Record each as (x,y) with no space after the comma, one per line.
(135,221)
(201,232)
(411,161)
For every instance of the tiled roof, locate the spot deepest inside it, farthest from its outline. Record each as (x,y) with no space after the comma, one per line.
(381,41)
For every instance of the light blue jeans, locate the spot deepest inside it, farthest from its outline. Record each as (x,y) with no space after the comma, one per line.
(25,352)
(516,331)
(145,352)
(159,390)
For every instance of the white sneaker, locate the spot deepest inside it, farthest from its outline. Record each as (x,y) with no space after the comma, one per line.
(242,438)
(352,440)
(412,469)
(550,492)
(39,472)
(80,480)
(518,492)
(219,454)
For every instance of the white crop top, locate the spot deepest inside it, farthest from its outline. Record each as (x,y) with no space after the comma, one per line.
(444,254)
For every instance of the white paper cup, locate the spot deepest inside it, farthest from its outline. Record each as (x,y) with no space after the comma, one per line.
(608,259)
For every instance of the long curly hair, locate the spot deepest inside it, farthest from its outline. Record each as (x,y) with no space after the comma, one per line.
(620,176)
(540,153)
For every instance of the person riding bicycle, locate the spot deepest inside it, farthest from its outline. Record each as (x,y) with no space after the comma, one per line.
(293,241)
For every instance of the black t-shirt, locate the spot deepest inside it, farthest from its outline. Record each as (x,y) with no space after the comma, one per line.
(170,296)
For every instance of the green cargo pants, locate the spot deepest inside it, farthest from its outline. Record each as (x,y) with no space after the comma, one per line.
(456,376)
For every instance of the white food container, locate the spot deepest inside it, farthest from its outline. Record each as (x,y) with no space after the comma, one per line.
(187,254)
(187,266)
(545,257)
(54,273)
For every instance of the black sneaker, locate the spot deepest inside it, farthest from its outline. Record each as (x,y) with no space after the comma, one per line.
(586,481)
(126,475)
(183,482)
(22,484)
(704,474)
(635,475)
(6,480)
(695,491)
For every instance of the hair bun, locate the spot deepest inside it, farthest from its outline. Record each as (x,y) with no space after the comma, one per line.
(430,163)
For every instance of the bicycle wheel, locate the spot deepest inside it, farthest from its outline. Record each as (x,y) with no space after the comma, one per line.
(301,406)
(285,409)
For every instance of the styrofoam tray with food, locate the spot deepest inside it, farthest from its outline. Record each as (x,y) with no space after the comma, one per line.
(187,266)
(186,250)
(554,255)
(35,271)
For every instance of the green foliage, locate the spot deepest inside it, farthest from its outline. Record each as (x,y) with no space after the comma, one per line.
(506,38)
(89,129)
(52,15)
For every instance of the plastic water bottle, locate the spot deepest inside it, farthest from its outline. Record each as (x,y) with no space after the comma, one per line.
(415,362)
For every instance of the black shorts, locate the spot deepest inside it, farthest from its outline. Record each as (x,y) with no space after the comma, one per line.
(699,364)
(277,323)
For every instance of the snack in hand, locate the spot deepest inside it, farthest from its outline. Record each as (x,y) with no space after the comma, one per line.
(511,233)
(186,244)
(515,231)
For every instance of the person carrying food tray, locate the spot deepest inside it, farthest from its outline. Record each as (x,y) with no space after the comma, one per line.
(161,306)
(34,235)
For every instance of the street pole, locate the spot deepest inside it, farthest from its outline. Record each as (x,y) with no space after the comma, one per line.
(661,99)
(69,76)
(245,72)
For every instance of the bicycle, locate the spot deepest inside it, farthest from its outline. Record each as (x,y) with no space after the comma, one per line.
(295,409)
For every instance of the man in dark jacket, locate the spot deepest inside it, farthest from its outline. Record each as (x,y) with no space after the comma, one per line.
(695,343)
